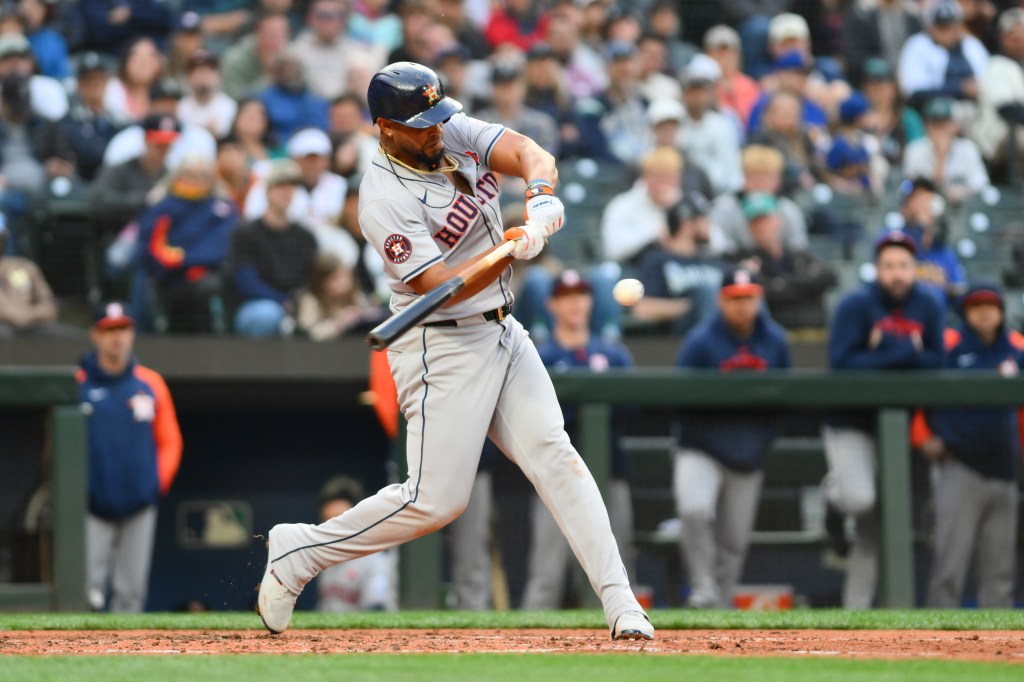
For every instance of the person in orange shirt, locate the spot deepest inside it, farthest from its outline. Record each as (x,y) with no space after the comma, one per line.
(134,453)
(737,92)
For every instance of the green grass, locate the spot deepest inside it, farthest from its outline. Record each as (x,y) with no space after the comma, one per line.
(490,668)
(665,619)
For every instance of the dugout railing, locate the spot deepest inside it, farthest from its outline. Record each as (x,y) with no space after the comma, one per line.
(891,395)
(55,391)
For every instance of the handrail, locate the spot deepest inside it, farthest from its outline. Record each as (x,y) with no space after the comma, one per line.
(890,395)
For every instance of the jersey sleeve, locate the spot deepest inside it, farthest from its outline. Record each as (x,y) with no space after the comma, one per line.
(166,431)
(403,240)
(465,134)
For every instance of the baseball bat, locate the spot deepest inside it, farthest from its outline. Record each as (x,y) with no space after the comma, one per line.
(385,333)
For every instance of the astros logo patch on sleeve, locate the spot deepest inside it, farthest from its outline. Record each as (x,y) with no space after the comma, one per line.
(397,248)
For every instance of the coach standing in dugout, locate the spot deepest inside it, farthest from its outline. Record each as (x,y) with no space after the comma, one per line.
(976,463)
(894,323)
(719,466)
(134,453)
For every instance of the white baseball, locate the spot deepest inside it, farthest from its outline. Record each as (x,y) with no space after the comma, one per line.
(628,292)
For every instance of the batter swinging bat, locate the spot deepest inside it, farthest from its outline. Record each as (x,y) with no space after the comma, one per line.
(385,333)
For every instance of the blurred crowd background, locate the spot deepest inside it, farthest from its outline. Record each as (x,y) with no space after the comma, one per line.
(138,136)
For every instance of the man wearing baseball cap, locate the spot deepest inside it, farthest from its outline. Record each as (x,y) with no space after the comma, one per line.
(737,92)
(976,461)
(795,279)
(679,278)
(319,196)
(711,140)
(719,465)
(89,126)
(938,267)
(943,59)
(119,192)
(134,445)
(893,323)
(272,257)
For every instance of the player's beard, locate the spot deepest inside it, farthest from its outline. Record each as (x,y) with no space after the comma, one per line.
(432,161)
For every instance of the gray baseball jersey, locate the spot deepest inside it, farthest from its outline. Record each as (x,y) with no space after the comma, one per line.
(417,220)
(458,385)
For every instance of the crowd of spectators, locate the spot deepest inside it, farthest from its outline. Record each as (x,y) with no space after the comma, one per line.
(170,115)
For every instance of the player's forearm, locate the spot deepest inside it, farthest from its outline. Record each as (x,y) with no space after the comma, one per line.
(518,155)
(492,273)
(538,164)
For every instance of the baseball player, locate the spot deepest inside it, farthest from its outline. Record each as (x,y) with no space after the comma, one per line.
(719,466)
(429,205)
(976,463)
(892,323)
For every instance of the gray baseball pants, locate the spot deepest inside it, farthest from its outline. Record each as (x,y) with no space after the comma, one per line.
(974,516)
(550,553)
(717,507)
(457,385)
(850,487)
(119,554)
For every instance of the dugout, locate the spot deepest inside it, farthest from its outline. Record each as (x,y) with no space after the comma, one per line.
(266,422)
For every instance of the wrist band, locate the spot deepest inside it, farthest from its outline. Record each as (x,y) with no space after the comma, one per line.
(538,188)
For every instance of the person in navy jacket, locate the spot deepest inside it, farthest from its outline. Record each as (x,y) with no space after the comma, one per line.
(134,448)
(572,346)
(184,239)
(976,461)
(893,323)
(719,466)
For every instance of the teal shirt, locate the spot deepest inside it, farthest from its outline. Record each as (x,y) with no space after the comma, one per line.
(913,126)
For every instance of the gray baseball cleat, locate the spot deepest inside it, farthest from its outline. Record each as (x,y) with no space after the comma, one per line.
(633,625)
(276,602)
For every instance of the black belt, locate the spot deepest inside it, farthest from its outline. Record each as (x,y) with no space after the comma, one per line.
(498,314)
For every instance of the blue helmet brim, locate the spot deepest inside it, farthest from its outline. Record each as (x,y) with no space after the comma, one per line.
(439,113)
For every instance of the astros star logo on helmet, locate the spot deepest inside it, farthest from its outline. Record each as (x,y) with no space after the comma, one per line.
(397,248)
(432,95)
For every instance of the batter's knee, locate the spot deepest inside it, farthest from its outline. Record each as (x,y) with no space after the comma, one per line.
(854,501)
(439,512)
(695,510)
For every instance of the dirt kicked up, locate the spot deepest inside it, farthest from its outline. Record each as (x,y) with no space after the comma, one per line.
(984,645)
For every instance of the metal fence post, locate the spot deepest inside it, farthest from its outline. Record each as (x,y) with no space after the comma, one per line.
(595,446)
(69,507)
(595,442)
(896,568)
(419,561)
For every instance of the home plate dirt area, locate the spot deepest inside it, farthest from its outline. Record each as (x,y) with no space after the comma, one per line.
(988,645)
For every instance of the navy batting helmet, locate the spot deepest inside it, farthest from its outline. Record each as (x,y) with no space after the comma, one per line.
(410,94)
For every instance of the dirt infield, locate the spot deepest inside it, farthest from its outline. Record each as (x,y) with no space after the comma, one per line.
(893,644)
